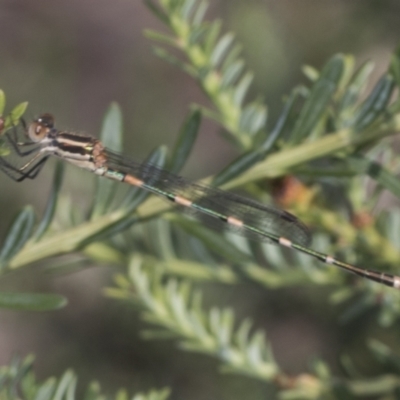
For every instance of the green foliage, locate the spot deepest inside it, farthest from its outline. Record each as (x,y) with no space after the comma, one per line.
(177,310)
(10,120)
(214,61)
(19,232)
(18,381)
(186,141)
(31,301)
(329,134)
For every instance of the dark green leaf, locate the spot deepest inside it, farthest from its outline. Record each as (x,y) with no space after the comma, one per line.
(18,234)
(395,65)
(157,11)
(237,167)
(232,73)
(232,57)
(376,102)
(357,84)
(187,138)
(52,201)
(111,131)
(253,118)
(66,387)
(211,36)
(46,391)
(197,34)
(242,88)
(353,92)
(111,137)
(347,74)
(31,301)
(200,13)
(2,103)
(110,230)
(173,6)
(318,100)
(187,9)
(161,244)
(159,37)
(375,171)
(221,49)
(281,123)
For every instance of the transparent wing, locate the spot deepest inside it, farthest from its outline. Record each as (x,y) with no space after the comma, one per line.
(265,218)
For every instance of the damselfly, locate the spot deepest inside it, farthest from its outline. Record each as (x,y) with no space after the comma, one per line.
(211,205)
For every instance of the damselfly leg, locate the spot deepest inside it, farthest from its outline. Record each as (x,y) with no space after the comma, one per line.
(18,174)
(32,166)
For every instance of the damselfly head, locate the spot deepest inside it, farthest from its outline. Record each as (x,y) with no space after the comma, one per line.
(40,127)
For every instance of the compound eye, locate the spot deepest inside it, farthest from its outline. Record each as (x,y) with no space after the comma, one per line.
(46,120)
(40,127)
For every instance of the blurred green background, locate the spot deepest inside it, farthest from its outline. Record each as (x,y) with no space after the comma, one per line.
(72,59)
